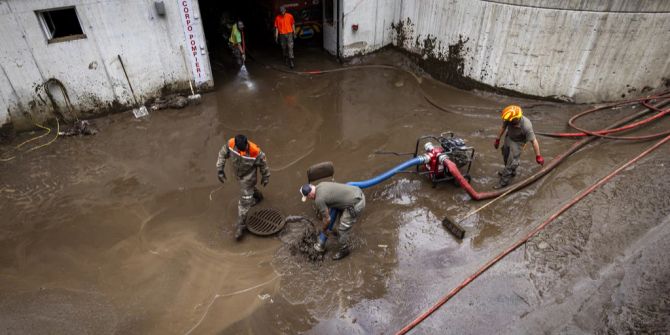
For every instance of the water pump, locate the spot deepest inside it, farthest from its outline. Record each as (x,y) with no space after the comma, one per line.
(437,149)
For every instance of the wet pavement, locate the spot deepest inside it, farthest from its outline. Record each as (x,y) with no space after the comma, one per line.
(129,231)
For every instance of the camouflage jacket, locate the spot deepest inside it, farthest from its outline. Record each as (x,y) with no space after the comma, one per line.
(244,162)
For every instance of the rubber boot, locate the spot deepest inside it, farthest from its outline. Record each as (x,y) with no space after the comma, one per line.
(290,63)
(501,184)
(500,173)
(343,252)
(239,230)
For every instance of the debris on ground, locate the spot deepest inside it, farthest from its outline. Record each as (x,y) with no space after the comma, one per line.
(301,241)
(79,128)
(174,101)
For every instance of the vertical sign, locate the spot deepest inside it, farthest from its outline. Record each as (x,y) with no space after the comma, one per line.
(193,41)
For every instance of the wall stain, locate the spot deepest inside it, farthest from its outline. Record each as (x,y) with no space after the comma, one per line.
(403,29)
(448,64)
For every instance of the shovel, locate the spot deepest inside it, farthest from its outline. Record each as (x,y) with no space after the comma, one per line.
(142,110)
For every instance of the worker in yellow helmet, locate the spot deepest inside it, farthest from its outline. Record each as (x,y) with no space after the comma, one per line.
(519,132)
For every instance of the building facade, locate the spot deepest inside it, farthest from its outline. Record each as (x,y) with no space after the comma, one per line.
(61,58)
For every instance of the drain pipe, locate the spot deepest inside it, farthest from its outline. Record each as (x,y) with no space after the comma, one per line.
(369,183)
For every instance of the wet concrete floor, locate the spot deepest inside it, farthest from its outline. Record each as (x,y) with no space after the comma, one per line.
(130,232)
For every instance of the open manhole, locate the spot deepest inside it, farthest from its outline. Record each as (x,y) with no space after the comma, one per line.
(266,221)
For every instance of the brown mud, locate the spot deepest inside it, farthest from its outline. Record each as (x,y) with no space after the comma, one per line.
(129,231)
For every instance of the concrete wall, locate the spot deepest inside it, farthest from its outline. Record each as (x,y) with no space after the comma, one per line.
(583,51)
(374,19)
(88,68)
(633,6)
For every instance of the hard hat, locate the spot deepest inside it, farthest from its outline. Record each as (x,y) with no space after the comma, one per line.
(511,112)
(240,25)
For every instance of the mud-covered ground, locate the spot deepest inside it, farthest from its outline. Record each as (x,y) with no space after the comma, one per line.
(130,232)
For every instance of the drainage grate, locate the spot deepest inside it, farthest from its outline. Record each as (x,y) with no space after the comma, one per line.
(266,221)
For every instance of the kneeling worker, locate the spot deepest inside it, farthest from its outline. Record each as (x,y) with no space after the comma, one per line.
(348,199)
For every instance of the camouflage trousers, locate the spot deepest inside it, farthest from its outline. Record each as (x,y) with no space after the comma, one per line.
(247,191)
(347,221)
(511,152)
(286,41)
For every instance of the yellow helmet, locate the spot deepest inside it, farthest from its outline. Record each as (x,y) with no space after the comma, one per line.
(511,112)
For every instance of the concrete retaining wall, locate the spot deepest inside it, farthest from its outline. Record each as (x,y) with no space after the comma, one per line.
(89,68)
(374,19)
(582,51)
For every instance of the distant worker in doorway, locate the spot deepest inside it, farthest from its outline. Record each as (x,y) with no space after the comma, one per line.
(348,199)
(519,132)
(237,42)
(284,34)
(247,158)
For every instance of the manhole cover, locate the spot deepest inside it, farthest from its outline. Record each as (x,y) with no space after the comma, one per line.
(266,221)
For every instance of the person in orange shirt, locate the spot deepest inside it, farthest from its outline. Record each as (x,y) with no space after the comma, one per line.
(284,34)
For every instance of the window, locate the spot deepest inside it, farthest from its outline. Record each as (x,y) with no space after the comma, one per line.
(60,24)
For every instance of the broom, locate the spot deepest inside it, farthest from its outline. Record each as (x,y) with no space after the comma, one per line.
(193,97)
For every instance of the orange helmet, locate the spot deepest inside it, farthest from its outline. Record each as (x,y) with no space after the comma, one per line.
(511,112)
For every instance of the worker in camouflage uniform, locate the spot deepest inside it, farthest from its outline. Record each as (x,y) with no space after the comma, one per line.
(247,157)
(519,132)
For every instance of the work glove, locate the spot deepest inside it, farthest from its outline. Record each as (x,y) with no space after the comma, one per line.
(496,144)
(265,181)
(319,248)
(222,176)
(539,159)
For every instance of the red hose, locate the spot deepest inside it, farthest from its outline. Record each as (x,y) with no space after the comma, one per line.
(644,102)
(453,169)
(524,239)
(609,131)
(602,134)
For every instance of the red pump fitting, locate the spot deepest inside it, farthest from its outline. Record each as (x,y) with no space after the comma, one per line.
(434,158)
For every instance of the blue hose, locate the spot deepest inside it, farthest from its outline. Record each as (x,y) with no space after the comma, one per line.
(369,183)
(388,174)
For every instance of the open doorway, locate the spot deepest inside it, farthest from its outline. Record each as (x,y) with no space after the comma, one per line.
(258,20)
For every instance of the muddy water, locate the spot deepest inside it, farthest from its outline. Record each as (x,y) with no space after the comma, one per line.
(129,231)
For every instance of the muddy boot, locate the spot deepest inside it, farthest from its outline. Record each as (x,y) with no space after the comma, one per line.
(500,173)
(290,63)
(258,197)
(239,231)
(343,252)
(501,184)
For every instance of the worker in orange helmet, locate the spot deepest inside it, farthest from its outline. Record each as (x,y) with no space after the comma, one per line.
(519,132)
(285,34)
